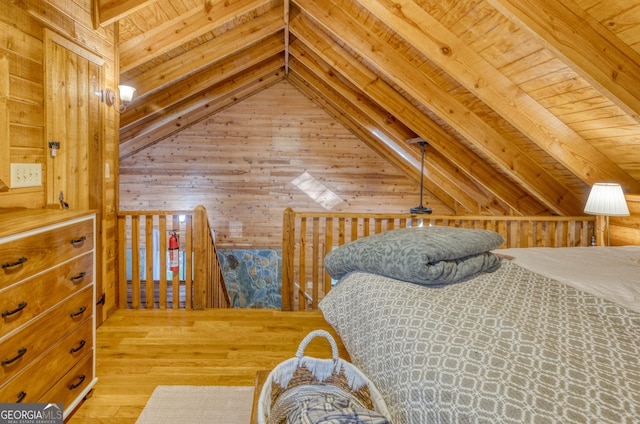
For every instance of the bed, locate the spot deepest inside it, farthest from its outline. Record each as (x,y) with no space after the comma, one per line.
(479,335)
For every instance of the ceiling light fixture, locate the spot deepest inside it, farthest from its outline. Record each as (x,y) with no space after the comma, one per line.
(420,209)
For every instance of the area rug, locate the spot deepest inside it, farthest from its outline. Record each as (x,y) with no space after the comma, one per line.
(198,404)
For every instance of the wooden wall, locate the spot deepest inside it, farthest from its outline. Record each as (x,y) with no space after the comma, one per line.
(46,93)
(241,164)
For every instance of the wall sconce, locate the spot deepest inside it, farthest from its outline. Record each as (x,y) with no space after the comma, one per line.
(606,199)
(109,97)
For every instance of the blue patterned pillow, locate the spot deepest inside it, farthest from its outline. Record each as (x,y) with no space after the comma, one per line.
(422,255)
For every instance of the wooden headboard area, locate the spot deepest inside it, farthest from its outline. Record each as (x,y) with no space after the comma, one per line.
(625,230)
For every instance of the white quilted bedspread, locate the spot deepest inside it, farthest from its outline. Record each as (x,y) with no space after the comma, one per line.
(507,347)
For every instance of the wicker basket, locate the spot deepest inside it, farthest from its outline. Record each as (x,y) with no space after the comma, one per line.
(321,374)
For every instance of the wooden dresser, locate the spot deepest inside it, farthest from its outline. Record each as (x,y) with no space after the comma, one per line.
(47,299)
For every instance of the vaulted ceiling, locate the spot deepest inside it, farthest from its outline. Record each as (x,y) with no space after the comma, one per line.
(524,103)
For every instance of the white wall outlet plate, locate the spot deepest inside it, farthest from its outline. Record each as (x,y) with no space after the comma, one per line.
(26,175)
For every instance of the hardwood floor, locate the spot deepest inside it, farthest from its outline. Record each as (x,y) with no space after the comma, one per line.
(138,350)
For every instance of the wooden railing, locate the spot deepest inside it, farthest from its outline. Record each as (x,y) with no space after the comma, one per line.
(145,280)
(308,237)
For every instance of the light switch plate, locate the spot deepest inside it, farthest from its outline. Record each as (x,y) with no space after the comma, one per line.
(26,175)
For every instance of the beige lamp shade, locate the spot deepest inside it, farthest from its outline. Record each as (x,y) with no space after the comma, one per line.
(606,199)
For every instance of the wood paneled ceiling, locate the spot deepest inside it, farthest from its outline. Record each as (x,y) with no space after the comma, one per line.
(524,103)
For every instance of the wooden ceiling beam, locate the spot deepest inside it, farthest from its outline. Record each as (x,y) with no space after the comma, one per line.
(200,98)
(286,18)
(198,107)
(587,46)
(394,66)
(148,106)
(230,42)
(177,31)
(453,188)
(447,51)
(110,11)
(468,162)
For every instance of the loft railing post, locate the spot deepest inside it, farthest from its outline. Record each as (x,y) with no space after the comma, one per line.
(200,246)
(149,283)
(189,262)
(162,235)
(288,245)
(122,262)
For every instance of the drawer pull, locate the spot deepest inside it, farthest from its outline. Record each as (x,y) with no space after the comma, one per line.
(21,396)
(79,383)
(80,346)
(79,240)
(16,263)
(20,307)
(80,312)
(78,276)
(20,354)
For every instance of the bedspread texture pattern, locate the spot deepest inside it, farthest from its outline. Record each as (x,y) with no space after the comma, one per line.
(507,347)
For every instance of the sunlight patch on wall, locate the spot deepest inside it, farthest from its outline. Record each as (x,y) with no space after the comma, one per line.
(235,229)
(317,191)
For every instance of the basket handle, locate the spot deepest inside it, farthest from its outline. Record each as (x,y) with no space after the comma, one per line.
(311,336)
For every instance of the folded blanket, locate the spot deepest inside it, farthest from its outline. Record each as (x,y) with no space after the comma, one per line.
(421,255)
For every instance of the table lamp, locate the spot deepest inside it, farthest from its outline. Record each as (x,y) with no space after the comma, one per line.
(606,199)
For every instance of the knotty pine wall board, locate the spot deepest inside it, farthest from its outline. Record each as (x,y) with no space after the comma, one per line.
(241,163)
(23,26)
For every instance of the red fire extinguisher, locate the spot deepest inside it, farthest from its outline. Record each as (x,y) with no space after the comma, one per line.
(174,247)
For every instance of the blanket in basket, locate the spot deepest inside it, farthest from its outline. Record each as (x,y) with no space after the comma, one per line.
(306,390)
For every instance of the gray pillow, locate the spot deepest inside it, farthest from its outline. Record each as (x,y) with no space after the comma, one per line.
(422,255)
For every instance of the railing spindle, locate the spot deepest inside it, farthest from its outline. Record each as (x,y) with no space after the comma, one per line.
(149,281)
(135,262)
(162,235)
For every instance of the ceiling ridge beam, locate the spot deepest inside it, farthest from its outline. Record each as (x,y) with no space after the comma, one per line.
(447,51)
(286,36)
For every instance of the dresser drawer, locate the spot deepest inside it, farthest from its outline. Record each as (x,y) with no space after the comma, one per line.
(28,299)
(25,256)
(40,375)
(71,385)
(24,346)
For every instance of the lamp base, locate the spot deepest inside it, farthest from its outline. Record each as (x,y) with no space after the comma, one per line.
(420,210)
